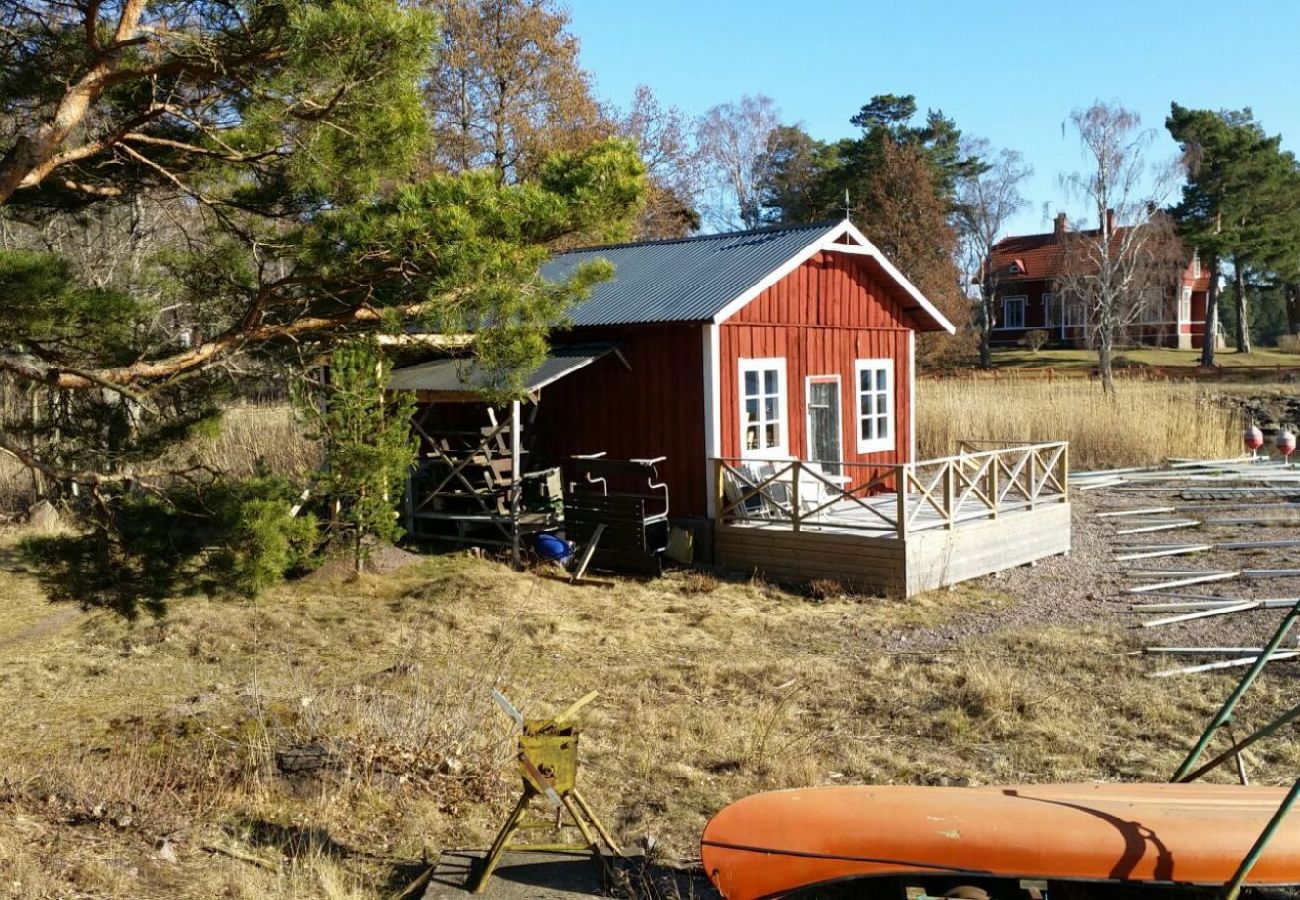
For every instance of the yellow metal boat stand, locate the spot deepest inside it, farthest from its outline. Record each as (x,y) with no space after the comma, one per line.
(548,762)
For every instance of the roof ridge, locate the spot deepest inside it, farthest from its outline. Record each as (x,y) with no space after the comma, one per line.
(721,235)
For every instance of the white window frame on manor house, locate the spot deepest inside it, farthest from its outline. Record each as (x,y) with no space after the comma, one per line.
(870,411)
(759,367)
(1020,300)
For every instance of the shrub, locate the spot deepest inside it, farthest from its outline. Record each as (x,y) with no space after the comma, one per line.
(228,538)
(369,447)
(1035,339)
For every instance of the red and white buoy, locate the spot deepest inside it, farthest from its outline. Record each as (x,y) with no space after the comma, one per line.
(1285,443)
(1254,439)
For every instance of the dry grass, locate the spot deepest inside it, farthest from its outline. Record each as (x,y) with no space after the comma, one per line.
(1142,424)
(1289,343)
(147,760)
(251,435)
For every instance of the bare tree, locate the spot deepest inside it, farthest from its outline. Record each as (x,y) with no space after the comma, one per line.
(1129,261)
(672,162)
(732,139)
(987,199)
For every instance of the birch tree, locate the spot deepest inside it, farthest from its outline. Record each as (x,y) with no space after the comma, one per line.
(1130,258)
(732,140)
(987,198)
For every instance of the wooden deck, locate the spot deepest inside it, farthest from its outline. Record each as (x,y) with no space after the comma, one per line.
(958,518)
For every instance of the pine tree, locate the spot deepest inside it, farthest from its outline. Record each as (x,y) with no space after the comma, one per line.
(1238,204)
(365,431)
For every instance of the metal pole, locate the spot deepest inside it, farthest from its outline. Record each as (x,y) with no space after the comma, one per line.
(1233,887)
(1225,712)
(515,482)
(1259,734)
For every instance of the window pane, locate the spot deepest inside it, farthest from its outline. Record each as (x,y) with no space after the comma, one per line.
(769,381)
(868,429)
(751,409)
(880,379)
(884,426)
(751,382)
(769,409)
(773,435)
(864,380)
(882,404)
(751,437)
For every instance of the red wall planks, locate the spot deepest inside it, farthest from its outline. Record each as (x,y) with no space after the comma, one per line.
(821,318)
(655,408)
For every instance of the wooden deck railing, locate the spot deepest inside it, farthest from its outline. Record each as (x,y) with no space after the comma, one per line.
(894,499)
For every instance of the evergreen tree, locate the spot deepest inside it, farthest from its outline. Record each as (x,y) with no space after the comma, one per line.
(290,128)
(1239,204)
(365,431)
(795,177)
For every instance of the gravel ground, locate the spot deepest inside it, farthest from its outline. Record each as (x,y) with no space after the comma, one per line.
(1088,586)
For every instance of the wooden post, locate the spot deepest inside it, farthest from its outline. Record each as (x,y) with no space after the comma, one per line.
(994,463)
(516,423)
(408,504)
(1065,474)
(949,493)
(719,489)
(901,476)
(1033,478)
(796,472)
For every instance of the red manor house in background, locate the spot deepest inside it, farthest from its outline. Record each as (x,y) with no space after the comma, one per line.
(1028,268)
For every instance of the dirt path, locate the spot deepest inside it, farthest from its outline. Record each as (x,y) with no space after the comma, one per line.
(55,621)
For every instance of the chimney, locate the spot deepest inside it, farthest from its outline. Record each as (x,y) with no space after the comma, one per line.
(1110,221)
(1058,230)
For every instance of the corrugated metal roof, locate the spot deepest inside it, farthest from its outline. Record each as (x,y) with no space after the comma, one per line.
(687,280)
(466,376)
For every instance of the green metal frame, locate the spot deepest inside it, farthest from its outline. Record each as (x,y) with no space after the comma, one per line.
(1189,771)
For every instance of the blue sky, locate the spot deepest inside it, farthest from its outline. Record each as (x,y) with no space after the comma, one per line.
(1007,71)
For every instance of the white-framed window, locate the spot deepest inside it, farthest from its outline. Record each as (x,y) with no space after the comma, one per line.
(1076,315)
(763,432)
(1051,310)
(873,381)
(1013,312)
(1185,305)
(1196,265)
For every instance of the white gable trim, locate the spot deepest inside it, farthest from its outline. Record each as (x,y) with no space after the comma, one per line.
(829,241)
(869,249)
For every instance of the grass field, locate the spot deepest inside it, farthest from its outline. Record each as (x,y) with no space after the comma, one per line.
(147,760)
(1022,358)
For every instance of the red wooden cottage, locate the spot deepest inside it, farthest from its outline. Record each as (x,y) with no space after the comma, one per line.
(768,344)
(771,373)
(1027,268)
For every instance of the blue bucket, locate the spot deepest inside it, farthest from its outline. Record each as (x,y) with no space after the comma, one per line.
(551,548)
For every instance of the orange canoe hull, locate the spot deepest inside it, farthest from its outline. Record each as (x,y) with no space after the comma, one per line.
(770,844)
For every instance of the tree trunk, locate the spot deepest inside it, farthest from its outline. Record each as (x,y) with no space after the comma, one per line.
(1105,354)
(1211,314)
(1292,292)
(986,332)
(1243,321)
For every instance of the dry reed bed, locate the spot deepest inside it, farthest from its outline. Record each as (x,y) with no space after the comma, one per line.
(1142,424)
(252,437)
(144,760)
